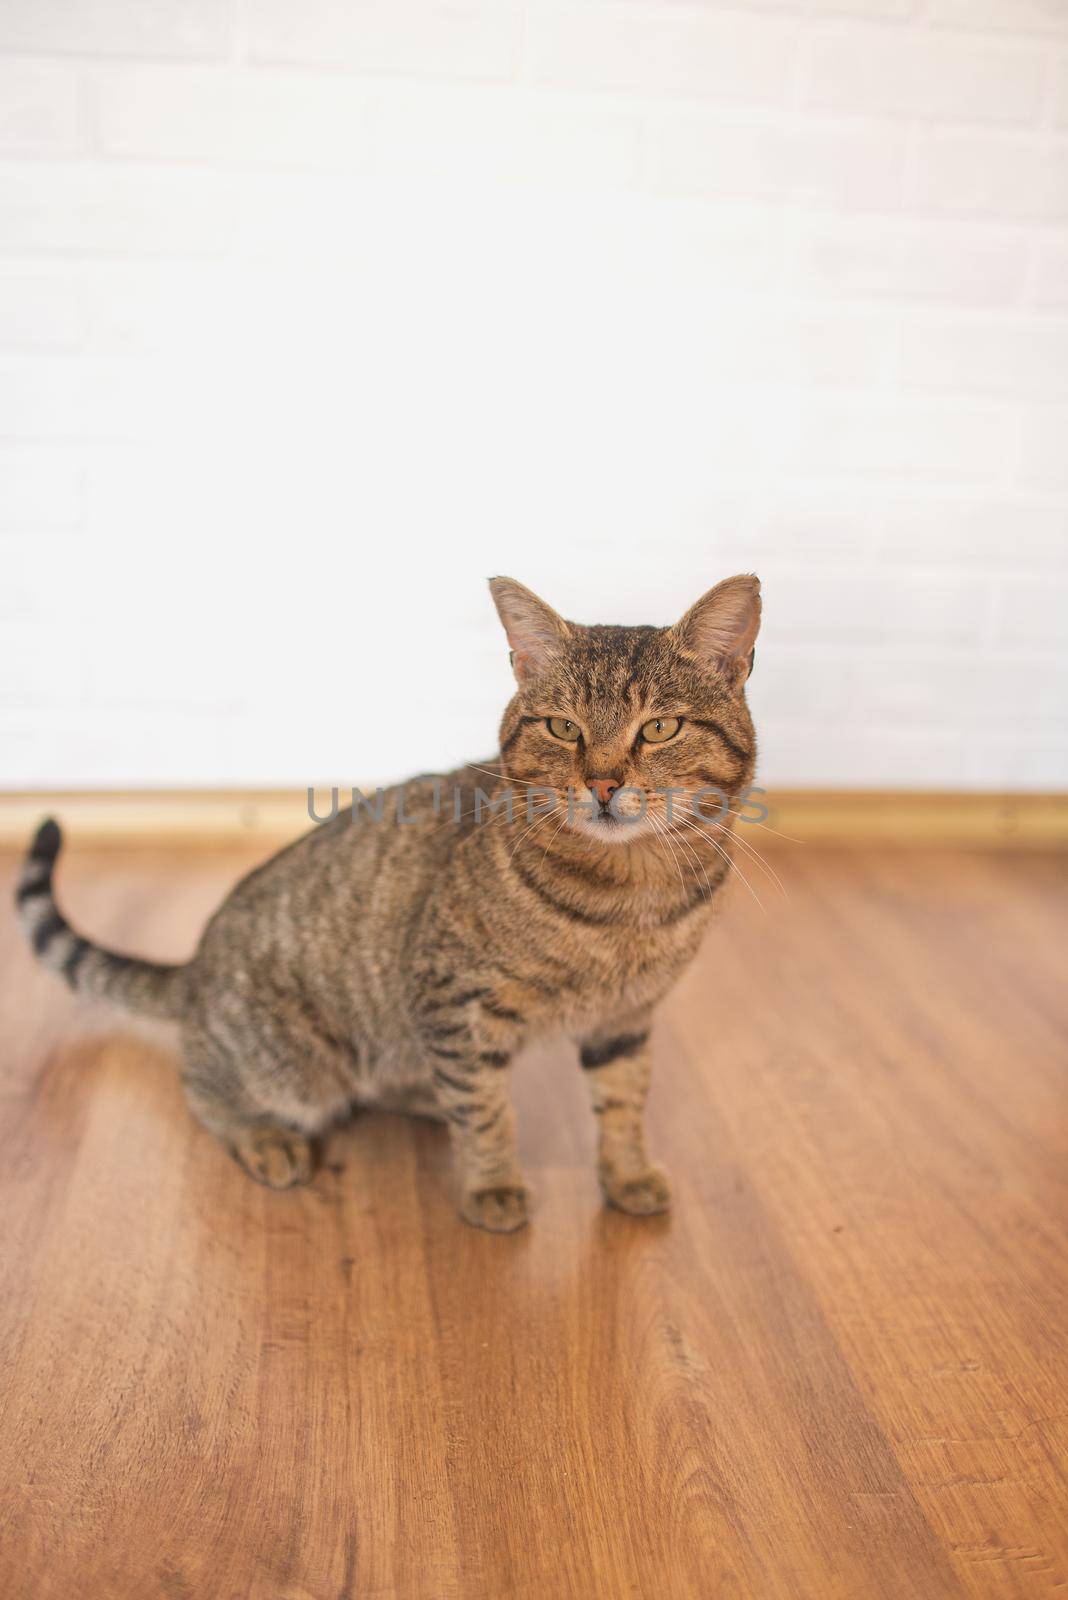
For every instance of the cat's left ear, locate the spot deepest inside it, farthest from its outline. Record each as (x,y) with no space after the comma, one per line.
(535,632)
(721,629)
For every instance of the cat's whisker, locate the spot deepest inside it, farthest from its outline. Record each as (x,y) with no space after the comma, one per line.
(751,822)
(502,819)
(535,824)
(656,835)
(552,836)
(454,819)
(711,886)
(732,863)
(698,816)
(756,857)
(508,778)
(692,853)
(660,830)
(753,852)
(684,821)
(507,815)
(507,821)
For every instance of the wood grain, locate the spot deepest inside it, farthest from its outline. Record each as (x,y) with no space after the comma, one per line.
(265,818)
(837,1369)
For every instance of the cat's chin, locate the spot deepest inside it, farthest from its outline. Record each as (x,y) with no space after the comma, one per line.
(613,830)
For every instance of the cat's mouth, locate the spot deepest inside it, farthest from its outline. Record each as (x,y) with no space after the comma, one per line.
(609,828)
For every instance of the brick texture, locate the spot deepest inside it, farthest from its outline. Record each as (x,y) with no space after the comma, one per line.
(312,315)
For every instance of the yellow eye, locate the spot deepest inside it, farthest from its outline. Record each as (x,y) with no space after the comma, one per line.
(660,729)
(561,728)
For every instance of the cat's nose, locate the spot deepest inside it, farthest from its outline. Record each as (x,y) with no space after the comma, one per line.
(604,788)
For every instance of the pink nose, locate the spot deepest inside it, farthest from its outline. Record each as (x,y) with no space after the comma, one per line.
(603,788)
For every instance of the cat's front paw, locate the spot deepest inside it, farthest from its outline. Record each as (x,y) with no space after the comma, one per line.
(641,1193)
(502,1208)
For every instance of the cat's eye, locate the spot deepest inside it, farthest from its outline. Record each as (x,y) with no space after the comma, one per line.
(661,729)
(564,728)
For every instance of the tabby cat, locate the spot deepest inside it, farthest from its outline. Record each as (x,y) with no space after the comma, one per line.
(403,963)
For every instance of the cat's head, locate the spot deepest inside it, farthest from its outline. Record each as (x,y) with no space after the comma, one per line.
(637,709)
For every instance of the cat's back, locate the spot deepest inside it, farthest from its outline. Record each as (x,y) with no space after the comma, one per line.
(365,871)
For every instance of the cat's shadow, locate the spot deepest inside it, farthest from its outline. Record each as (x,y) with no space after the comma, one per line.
(133,1074)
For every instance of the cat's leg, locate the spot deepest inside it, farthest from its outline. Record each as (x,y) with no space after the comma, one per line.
(475,1098)
(275,1156)
(469,1031)
(270,1152)
(469,1063)
(618,1065)
(274,1144)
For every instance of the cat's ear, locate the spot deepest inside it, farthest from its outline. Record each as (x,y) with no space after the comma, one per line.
(720,630)
(535,633)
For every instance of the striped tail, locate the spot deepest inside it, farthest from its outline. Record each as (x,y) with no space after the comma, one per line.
(145,986)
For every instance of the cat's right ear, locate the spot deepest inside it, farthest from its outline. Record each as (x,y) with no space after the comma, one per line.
(535,633)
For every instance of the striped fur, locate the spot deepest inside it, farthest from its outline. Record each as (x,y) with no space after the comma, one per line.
(147,987)
(406,966)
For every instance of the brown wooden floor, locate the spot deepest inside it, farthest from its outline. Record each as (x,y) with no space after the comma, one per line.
(838,1369)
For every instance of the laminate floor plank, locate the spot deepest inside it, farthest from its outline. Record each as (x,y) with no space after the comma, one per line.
(837,1369)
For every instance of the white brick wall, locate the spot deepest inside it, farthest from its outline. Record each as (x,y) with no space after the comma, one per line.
(313,315)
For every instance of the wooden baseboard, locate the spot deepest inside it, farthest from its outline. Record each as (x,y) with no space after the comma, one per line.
(918,818)
(157,816)
(837,817)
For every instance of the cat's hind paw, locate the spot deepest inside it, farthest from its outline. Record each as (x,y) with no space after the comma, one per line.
(279,1158)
